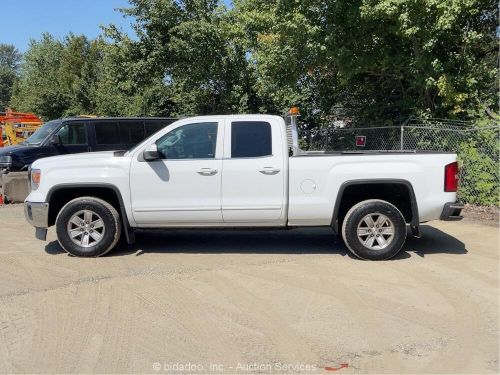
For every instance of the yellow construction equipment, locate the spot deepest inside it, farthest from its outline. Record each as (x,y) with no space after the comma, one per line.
(15,127)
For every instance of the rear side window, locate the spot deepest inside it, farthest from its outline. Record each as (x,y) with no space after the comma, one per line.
(250,139)
(73,134)
(126,132)
(107,133)
(131,132)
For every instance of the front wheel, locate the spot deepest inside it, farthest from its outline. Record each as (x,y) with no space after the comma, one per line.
(374,229)
(88,227)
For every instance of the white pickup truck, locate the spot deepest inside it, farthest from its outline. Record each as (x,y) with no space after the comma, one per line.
(239,171)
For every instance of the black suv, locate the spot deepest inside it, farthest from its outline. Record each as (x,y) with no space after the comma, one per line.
(74,135)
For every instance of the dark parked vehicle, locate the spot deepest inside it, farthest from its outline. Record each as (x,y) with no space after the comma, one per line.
(75,135)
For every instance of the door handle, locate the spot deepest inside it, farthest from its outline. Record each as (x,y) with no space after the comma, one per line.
(269,170)
(207,171)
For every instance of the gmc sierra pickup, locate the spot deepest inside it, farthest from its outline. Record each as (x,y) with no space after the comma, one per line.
(239,171)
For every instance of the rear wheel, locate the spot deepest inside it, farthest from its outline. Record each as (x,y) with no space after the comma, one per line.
(374,229)
(88,227)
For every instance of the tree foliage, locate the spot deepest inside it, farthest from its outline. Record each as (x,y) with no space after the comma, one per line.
(370,61)
(10,59)
(57,77)
(375,59)
(192,49)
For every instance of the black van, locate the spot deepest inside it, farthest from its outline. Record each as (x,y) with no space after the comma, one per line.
(74,135)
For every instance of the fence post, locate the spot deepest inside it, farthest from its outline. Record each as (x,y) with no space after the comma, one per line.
(402,137)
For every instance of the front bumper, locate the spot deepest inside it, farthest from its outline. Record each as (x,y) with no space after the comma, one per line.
(37,215)
(451,211)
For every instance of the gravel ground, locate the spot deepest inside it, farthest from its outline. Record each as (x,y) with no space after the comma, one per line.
(239,302)
(486,215)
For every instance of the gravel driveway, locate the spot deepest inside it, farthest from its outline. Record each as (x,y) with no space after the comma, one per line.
(238,302)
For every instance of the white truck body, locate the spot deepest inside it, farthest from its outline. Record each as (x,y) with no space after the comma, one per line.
(274,190)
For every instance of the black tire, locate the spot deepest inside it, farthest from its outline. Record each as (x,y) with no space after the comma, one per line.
(355,217)
(111,223)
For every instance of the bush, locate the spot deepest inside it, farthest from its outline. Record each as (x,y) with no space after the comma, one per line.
(480,174)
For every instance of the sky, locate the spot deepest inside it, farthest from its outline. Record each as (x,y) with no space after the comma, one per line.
(23,20)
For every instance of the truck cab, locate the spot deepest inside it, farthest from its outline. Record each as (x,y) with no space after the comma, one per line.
(222,170)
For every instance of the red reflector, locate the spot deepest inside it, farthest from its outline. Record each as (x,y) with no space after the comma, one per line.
(451,177)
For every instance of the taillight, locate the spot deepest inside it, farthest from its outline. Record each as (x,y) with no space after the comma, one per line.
(451,177)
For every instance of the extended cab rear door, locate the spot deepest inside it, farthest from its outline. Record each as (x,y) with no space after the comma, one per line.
(253,175)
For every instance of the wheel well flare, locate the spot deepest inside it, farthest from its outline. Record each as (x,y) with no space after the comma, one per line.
(60,196)
(399,194)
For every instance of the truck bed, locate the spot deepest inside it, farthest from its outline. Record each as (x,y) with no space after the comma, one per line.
(367,152)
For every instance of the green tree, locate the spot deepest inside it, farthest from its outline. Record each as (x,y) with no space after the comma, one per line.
(286,47)
(446,48)
(78,54)
(123,87)
(38,89)
(58,77)
(378,60)
(370,61)
(190,51)
(10,59)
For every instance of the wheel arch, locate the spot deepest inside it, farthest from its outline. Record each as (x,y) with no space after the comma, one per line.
(61,194)
(394,191)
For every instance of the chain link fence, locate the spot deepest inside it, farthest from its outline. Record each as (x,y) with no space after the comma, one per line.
(477,146)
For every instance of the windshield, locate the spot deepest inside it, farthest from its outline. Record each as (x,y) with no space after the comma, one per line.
(43,132)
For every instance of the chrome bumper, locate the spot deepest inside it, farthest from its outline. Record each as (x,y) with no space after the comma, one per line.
(37,214)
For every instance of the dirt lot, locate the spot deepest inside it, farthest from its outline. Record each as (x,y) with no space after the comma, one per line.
(237,302)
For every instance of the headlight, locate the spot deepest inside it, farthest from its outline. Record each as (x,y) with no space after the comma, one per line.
(36,175)
(5,161)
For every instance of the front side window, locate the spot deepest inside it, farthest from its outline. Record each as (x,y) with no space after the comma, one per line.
(72,134)
(192,141)
(250,139)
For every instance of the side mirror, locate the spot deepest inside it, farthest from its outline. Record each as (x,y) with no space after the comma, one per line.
(151,153)
(55,140)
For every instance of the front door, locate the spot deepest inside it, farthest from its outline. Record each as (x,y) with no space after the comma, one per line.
(253,178)
(72,138)
(183,187)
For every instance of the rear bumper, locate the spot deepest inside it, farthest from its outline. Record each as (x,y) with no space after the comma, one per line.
(451,211)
